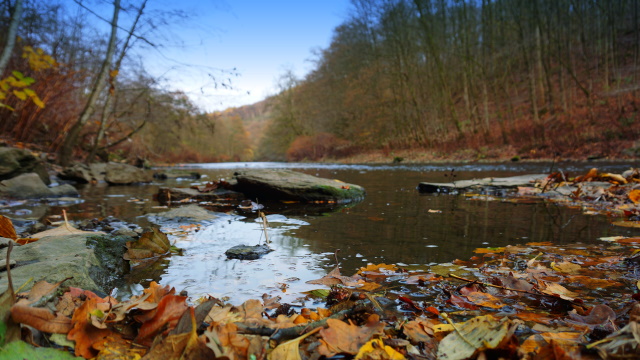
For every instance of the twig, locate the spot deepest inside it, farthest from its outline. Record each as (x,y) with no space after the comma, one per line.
(446,317)
(265,225)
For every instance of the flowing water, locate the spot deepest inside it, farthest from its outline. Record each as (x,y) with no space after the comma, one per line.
(393,224)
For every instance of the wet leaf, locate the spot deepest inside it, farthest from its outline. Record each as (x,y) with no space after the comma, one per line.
(340,337)
(566,267)
(181,346)
(560,291)
(85,335)
(600,315)
(479,333)
(63,230)
(6,228)
(166,316)
(42,319)
(420,330)
(376,349)
(484,299)
(290,350)
(552,345)
(150,244)
(634,195)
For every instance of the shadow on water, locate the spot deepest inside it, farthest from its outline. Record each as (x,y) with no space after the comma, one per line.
(393,224)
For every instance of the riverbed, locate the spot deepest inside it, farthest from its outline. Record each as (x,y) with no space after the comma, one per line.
(394,224)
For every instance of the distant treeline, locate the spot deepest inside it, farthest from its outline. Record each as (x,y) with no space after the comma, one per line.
(530,77)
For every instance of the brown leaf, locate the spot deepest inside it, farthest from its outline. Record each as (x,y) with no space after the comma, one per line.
(552,345)
(484,299)
(340,337)
(150,244)
(40,289)
(41,318)
(6,228)
(477,334)
(634,195)
(181,346)
(169,311)
(600,315)
(224,340)
(63,230)
(84,333)
(420,330)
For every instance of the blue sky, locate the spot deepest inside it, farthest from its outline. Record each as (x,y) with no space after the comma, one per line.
(260,39)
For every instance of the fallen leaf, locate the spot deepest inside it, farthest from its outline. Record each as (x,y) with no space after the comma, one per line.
(63,230)
(181,346)
(85,335)
(479,333)
(566,267)
(552,345)
(485,299)
(376,349)
(634,195)
(150,244)
(290,350)
(166,316)
(560,291)
(600,315)
(420,330)
(340,337)
(42,319)
(6,228)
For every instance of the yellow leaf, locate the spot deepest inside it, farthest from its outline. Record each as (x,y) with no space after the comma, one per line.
(378,351)
(289,350)
(20,94)
(113,73)
(36,100)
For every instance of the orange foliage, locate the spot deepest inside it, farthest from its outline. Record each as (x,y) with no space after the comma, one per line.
(319,146)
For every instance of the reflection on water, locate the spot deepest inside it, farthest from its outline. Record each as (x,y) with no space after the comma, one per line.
(393,224)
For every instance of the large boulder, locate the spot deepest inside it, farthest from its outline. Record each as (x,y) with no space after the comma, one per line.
(54,258)
(29,186)
(83,173)
(123,174)
(14,161)
(271,184)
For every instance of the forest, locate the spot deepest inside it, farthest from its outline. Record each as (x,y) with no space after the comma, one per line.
(448,79)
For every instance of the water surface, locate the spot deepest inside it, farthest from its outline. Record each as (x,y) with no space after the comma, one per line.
(393,224)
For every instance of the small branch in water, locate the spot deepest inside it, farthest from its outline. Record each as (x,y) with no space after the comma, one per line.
(265,225)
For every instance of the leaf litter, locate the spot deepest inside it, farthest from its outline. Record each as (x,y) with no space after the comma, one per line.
(526,301)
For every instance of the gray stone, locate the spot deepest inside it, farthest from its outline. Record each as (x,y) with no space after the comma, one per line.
(4,242)
(291,185)
(83,173)
(14,161)
(192,212)
(246,252)
(125,231)
(30,185)
(123,174)
(54,258)
(168,195)
(502,183)
(177,174)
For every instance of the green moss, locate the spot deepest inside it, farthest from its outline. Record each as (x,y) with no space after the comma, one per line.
(351,193)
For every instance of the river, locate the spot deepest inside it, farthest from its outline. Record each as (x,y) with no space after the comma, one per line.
(394,224)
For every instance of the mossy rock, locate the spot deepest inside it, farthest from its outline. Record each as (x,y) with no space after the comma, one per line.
(269,184)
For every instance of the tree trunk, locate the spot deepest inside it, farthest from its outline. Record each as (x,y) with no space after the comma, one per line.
(66,151)
(11,36)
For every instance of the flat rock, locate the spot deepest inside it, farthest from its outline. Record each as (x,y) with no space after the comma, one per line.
(53,259)
(83,173)
(123,174)
(30,185)
(246,252)
(167,195)
(14,161)
(268,184)
(192,212)
(501,183)
(177,174)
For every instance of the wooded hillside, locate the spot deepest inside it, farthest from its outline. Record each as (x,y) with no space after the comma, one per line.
(468,79)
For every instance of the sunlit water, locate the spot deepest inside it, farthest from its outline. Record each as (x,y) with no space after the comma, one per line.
(393,224)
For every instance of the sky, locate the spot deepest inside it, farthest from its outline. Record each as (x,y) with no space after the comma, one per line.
(260,39)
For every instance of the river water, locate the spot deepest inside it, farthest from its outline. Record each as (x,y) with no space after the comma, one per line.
(394,224)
